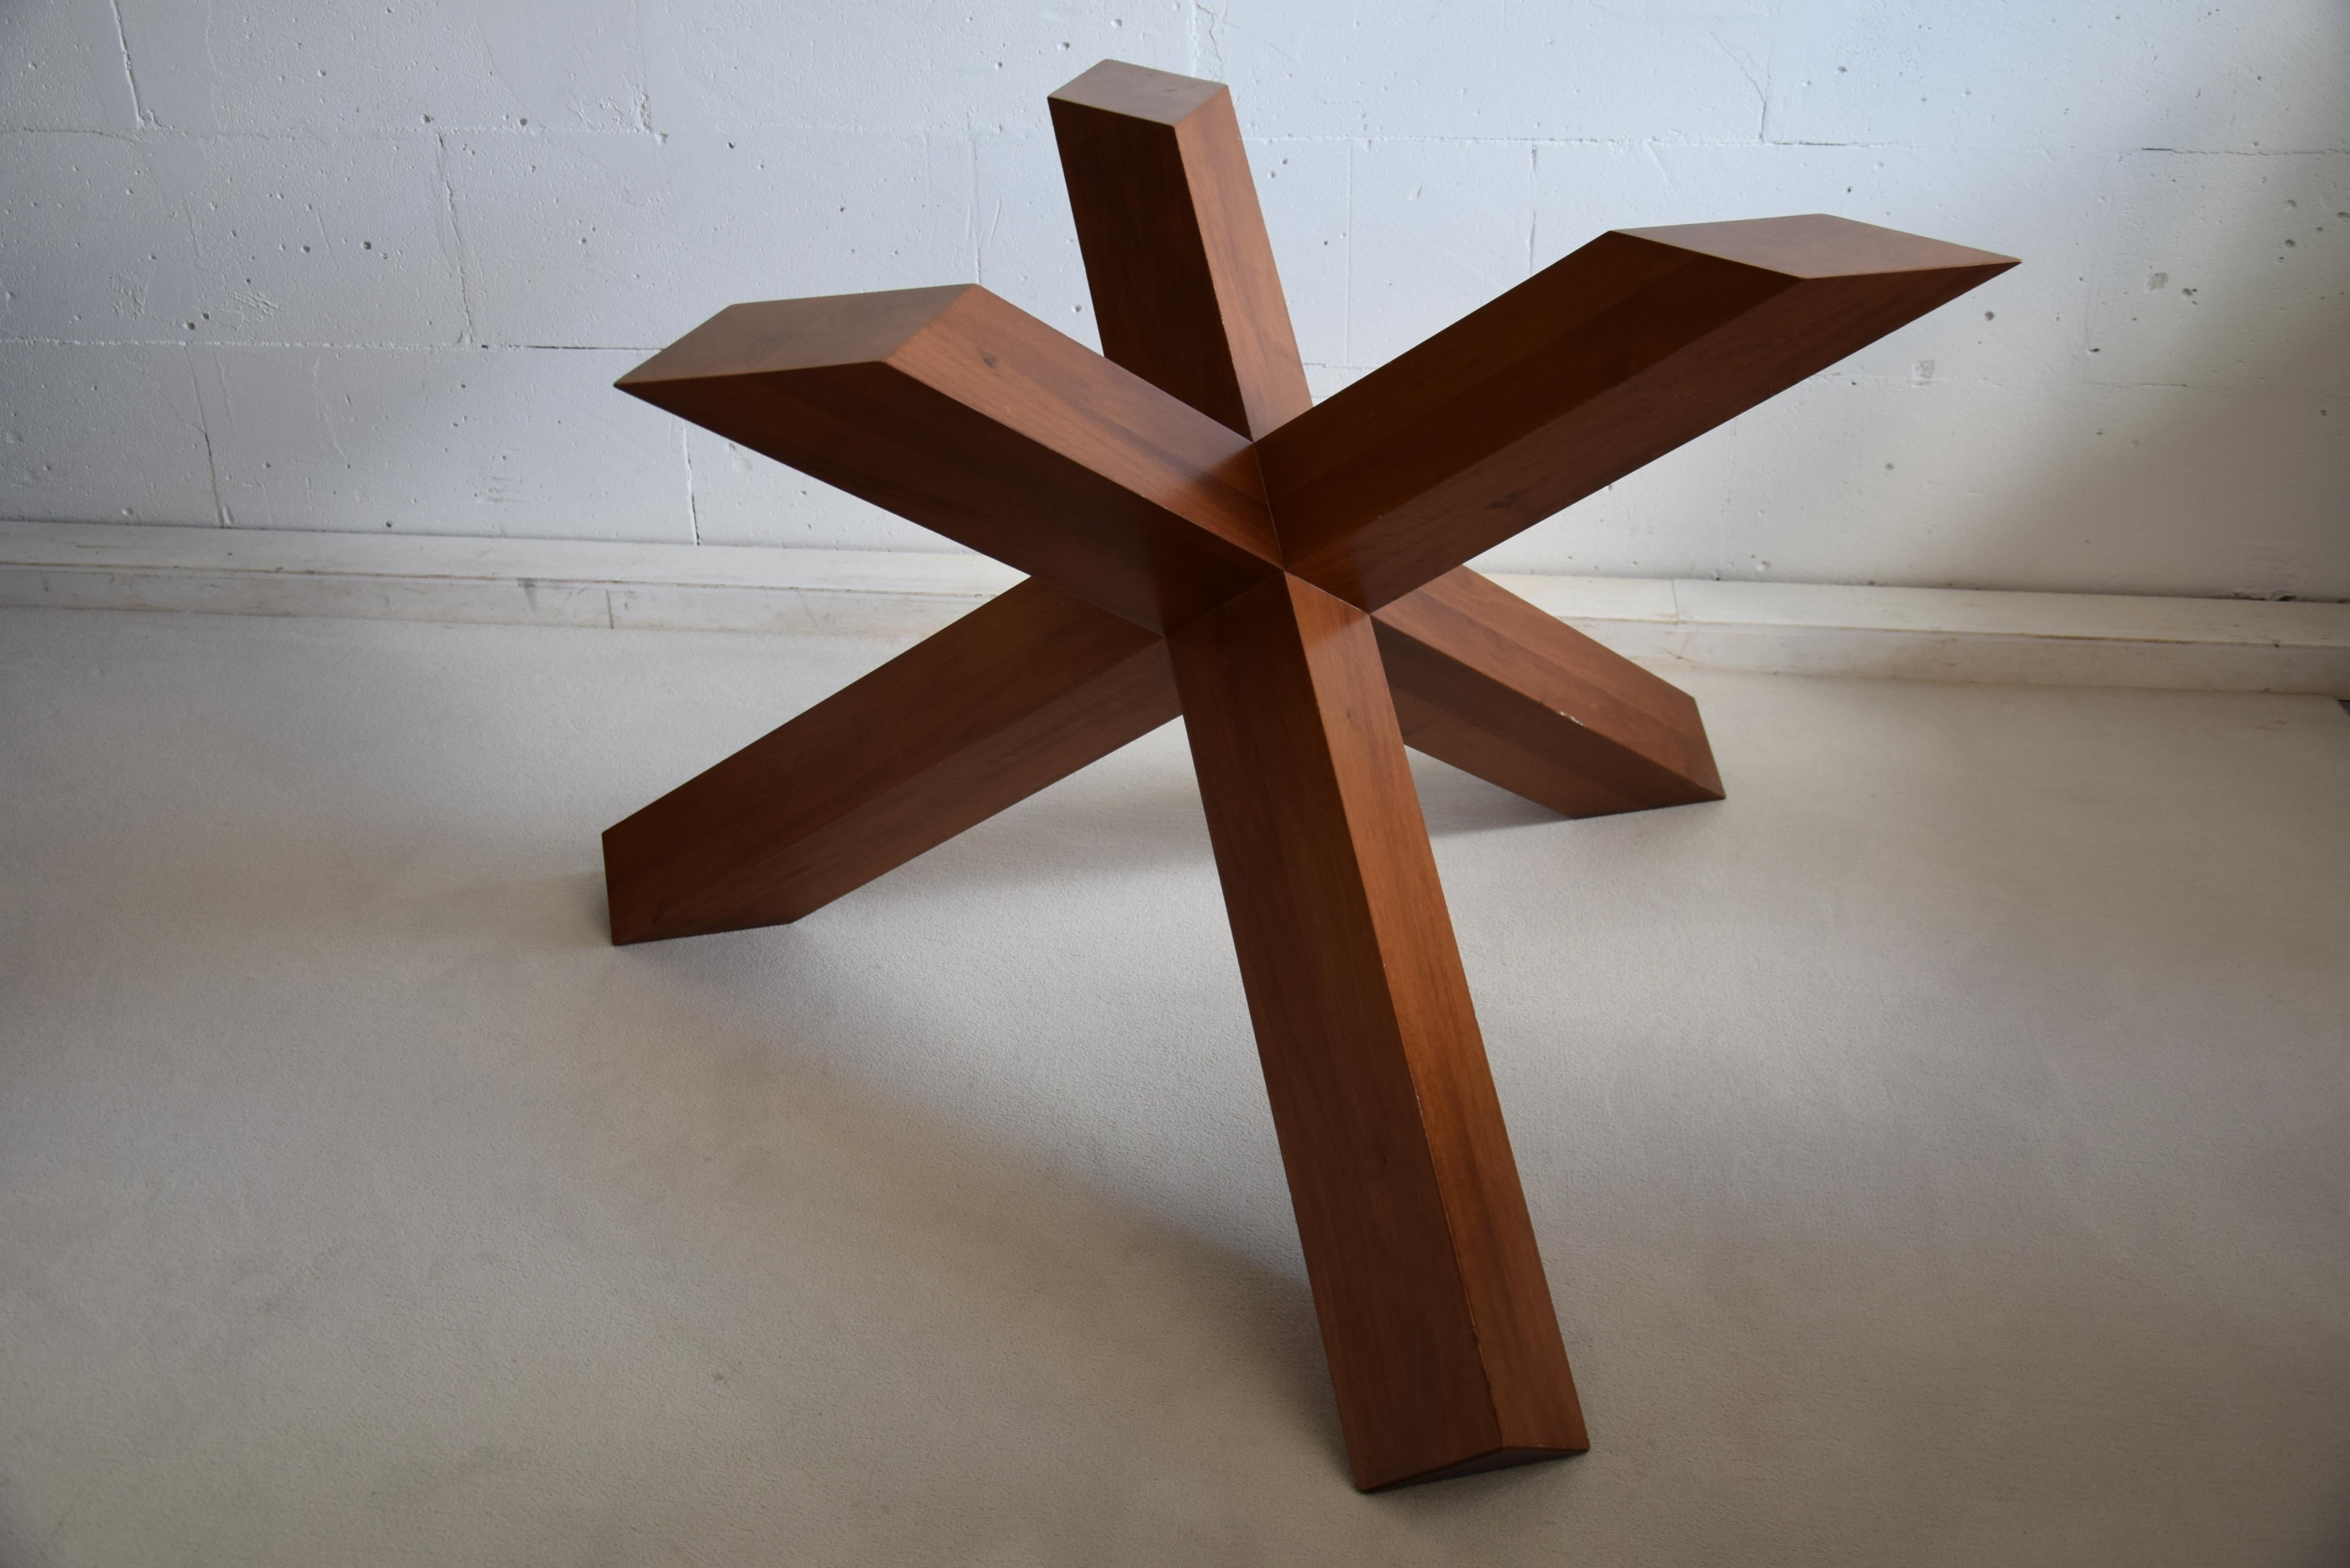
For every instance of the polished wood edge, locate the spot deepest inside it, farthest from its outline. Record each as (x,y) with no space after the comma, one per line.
(1496,686)
(1137,92)
(1500,1459)
(1820,245)
(762,336)
(1255,310)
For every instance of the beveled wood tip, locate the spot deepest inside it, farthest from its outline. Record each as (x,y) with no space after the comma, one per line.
(1818,244)
(1138,92)
(796,335)
(1500,1459)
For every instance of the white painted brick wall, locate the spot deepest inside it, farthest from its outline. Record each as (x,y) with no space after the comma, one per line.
(372,264)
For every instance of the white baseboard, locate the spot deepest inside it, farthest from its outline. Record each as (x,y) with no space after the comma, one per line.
(1925,634)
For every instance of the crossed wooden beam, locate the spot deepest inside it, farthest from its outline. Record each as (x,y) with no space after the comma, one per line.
(1202,539)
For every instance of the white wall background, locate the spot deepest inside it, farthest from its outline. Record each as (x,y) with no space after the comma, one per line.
(370,265)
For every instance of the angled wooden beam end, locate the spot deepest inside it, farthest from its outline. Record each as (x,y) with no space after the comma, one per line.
(1504,690)
(1022,691)
(1184,287)
(960,413)
(1596,366)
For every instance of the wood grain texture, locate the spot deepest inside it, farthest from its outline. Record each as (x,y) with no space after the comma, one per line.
(1184,287)
(1291,577)
(1024,691)
(1597,365)
(963,413)
(1434,1311)
(1497,687)
(1188,296)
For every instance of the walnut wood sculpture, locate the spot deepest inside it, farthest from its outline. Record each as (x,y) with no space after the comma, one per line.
(1204,540)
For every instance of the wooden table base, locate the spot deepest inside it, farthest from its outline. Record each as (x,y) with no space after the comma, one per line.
(1202,539)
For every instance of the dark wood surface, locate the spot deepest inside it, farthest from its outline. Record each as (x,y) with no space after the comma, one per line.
(1435,1315)
(1501,688)
(1596,366)
(954,408)
(1202,539)
(1036,684)
(1188,296)
(1184,287)
(1024,691)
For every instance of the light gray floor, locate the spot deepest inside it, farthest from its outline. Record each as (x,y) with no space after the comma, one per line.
(1941,1149)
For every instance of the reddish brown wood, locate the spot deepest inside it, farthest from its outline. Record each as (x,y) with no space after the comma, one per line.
(1022,691)
(1185,291)
(954,408)
(1136,497)
(1036,684)
(1603,362)
(1435,1315)
(1482,680)
(1188,296)
(1497,687)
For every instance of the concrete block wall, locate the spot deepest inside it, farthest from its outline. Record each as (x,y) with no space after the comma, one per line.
(372,264)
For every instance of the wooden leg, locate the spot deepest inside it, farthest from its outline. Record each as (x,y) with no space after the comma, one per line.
(1022,691)
(1032,688)
(1438,1323)
(1494,686)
